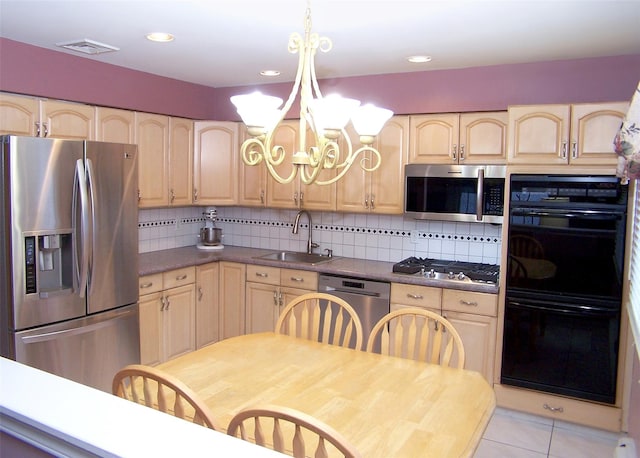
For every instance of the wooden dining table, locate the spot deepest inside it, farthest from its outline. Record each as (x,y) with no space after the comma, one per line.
(385,406)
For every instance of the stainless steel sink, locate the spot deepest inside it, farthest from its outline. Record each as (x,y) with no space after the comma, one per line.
(296,256)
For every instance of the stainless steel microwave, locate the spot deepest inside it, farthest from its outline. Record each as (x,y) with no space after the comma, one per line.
(471,193)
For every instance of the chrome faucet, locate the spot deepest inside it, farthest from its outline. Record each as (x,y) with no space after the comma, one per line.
(296,226)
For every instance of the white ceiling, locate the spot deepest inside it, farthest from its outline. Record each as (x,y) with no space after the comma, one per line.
(227,42)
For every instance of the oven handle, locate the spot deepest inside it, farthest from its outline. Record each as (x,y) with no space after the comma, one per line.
(565,212)
(565,309)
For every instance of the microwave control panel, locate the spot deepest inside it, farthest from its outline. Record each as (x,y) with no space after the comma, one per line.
(493,197)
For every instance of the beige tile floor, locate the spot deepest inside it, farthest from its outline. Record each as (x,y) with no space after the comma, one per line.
(513,434)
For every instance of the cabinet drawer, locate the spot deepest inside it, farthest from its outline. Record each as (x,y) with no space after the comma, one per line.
(179,277)
(149,284)
(470,302)
(299,279)
(263,274)
(416,296)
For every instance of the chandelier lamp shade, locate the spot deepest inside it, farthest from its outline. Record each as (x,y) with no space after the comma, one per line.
(326,117)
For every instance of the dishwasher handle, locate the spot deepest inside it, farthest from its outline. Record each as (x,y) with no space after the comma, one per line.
(331,289)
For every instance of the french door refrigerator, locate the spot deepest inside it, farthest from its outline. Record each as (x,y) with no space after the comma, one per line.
(69,251)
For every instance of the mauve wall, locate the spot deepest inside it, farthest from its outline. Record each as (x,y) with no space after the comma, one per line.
(37,71)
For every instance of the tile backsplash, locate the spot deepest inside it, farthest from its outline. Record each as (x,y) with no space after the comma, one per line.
(367,236)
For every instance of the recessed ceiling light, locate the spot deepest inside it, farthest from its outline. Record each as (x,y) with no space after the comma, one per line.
(161,37)
(419,59)
(270,73)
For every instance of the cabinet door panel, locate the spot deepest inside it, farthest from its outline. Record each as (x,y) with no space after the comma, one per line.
(216,163)
(152,137)
(262,307)
(252,186)
(115,125)
(179,321)
(72,121)
(483,138)
(180,161)
(539,134)
(434,138)
(593,127)
(278,194)
(150,328)
(387,183)
(19,115)
(478,334)
(207,304)
(232,299)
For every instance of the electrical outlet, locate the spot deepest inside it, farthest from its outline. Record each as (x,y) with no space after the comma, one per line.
(415,236)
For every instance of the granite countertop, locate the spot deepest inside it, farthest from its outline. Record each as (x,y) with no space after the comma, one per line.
(161,261)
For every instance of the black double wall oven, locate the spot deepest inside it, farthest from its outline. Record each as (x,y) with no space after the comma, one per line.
(564,284)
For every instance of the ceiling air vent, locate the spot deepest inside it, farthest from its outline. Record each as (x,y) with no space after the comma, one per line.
(87,46)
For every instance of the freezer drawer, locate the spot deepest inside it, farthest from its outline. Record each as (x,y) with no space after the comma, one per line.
(87,350)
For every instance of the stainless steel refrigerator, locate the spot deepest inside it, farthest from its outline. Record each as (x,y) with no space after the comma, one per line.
(69,257)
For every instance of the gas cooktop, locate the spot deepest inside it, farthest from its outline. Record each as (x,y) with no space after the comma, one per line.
(449,270)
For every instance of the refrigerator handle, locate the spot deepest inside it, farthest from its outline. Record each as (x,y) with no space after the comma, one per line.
(92,209)
(81,265)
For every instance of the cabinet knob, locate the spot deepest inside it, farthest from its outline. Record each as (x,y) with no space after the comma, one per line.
(181,277)
(146,285)
(173,196)
(462,158)
(469,303)
(200,293)
(455,153)
(195,194)
(415,296)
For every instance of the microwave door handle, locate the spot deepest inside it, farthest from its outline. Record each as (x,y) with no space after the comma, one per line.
(479,195)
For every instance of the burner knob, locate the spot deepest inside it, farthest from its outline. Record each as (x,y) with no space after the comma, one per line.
(461,276)
(451,276)
(432,273)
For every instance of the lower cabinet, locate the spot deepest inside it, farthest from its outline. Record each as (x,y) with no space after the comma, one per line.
(167,315)
(269,289)
(474,315)
(232,299)
(207,304)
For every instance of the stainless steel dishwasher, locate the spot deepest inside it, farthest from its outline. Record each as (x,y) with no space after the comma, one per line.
(369,298)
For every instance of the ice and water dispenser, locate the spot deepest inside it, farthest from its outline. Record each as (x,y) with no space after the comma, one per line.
(48,264)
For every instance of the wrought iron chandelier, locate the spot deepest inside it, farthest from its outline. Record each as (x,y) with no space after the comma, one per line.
(326,116)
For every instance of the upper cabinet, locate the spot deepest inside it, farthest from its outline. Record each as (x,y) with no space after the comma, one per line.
(180,161)
(114,125)
(258,188)
(34,117)
(165,160)
(152,137)
(580,134)
(215,168)
(380,191)
(467,138)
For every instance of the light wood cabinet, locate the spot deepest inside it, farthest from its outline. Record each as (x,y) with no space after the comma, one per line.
(167,315)
(474,315)
(22,115)
(215,166)
(269,289)
(466,138)
(580,134)
(280,195)
(232,299)
(207,304)
(426,297)
(152,137)
(180,161)
(252,183)
(381,191)
(114,125)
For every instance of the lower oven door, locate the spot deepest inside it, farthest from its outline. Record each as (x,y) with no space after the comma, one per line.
(562,348)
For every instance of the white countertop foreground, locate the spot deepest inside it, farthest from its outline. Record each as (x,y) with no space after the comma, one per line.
(68,418)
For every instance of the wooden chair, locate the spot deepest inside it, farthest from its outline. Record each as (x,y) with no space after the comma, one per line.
(526,247)
(288,430)
(418,334)
(153,388)
(321,317)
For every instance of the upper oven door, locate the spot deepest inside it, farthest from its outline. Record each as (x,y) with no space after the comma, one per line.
(454,193)
(566,251)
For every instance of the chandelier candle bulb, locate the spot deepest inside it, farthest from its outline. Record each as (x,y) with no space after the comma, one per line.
(327,118)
